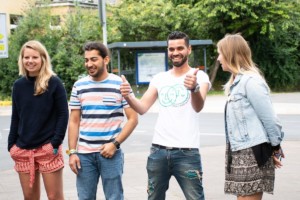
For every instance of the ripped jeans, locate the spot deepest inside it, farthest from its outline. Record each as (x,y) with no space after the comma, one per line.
(184,165)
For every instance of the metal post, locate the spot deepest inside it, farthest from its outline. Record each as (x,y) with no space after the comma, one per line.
(204,55)
(111,60)
(102,15)
(119,62)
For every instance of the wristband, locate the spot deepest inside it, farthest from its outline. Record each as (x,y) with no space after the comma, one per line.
(196,89)
(116,143)
(71,151)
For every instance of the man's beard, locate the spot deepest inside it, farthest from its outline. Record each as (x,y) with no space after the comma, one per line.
(99,71)
(179,63)
(96,75)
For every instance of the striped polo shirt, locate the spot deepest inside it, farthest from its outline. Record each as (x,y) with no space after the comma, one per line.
(101,105)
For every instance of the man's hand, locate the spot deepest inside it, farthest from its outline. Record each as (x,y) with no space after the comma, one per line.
(74,163)
(190,80)
(108,150)
(125,87)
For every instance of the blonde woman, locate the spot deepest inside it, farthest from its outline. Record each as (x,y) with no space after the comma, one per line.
(253,132)
(38,124)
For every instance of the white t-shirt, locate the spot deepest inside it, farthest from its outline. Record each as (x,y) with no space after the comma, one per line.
(177,124)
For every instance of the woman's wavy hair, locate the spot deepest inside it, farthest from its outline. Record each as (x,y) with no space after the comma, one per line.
(238,57)
(45,73)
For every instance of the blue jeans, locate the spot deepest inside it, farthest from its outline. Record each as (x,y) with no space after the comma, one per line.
(184,165)
(93,165)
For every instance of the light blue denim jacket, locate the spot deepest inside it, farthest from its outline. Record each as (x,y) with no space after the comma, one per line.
(250,118)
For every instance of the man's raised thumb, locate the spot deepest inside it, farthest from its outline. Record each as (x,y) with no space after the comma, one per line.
(123,79)
(196,71)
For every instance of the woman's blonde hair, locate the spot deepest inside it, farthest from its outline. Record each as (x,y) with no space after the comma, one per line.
(45,73)
(237,56)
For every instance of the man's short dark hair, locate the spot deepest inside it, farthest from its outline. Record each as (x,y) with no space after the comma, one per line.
(175,35)
(101,48)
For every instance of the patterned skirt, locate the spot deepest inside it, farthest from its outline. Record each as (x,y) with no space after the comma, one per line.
(245,177)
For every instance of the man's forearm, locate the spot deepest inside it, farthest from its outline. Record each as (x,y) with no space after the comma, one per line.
(198,98)
(136,104)
(72,137)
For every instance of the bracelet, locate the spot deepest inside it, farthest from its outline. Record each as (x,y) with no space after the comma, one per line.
(71,151)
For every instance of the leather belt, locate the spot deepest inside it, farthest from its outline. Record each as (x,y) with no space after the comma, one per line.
(173,148)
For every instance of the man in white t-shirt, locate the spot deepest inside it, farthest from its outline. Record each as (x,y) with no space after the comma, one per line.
(181,94)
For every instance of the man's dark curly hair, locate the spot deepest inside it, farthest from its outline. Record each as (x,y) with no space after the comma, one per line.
(179,35)
(98,46)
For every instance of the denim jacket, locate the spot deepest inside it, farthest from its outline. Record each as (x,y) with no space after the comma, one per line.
(250,118)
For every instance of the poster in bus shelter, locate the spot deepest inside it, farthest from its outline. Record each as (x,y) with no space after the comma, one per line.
(148,64)
(3,37)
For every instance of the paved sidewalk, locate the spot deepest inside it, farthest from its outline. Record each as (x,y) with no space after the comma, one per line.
(287,184)
(135,178)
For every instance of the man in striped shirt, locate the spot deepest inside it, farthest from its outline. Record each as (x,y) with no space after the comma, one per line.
(96,127)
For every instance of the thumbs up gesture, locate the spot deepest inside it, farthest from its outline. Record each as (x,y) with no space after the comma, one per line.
(190,80)
(125,87)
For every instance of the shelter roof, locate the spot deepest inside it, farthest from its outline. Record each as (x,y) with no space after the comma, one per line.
(152,44)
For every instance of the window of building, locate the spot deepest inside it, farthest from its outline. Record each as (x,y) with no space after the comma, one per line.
(55,20)
(14,21)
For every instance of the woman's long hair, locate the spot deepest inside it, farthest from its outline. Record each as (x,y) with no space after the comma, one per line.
(45,73)
(238,57)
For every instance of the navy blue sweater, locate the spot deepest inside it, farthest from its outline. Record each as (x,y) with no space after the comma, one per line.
(37,120)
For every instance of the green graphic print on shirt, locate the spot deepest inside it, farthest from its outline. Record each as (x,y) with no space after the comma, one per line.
(175,96)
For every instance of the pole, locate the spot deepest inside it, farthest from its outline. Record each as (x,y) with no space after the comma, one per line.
(204,57)
(102,15)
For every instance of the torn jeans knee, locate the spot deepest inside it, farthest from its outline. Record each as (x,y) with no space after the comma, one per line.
(192,174)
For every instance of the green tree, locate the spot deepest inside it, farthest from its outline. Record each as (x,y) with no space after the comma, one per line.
(80,26)
(264,23)
(271,27)
(150,20)
(189,2)
(280,53)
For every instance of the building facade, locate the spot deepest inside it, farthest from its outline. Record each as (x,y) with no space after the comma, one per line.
(15,9)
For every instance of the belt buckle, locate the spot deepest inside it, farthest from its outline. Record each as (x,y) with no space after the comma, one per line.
(169,148)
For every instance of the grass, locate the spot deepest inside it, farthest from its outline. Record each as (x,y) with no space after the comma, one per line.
(216,92)
(5,100)
(5,103)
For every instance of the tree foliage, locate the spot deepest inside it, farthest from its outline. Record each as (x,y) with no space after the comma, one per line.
(248,17)
(279,55)
(150,20)
(80,26)
(270,26)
